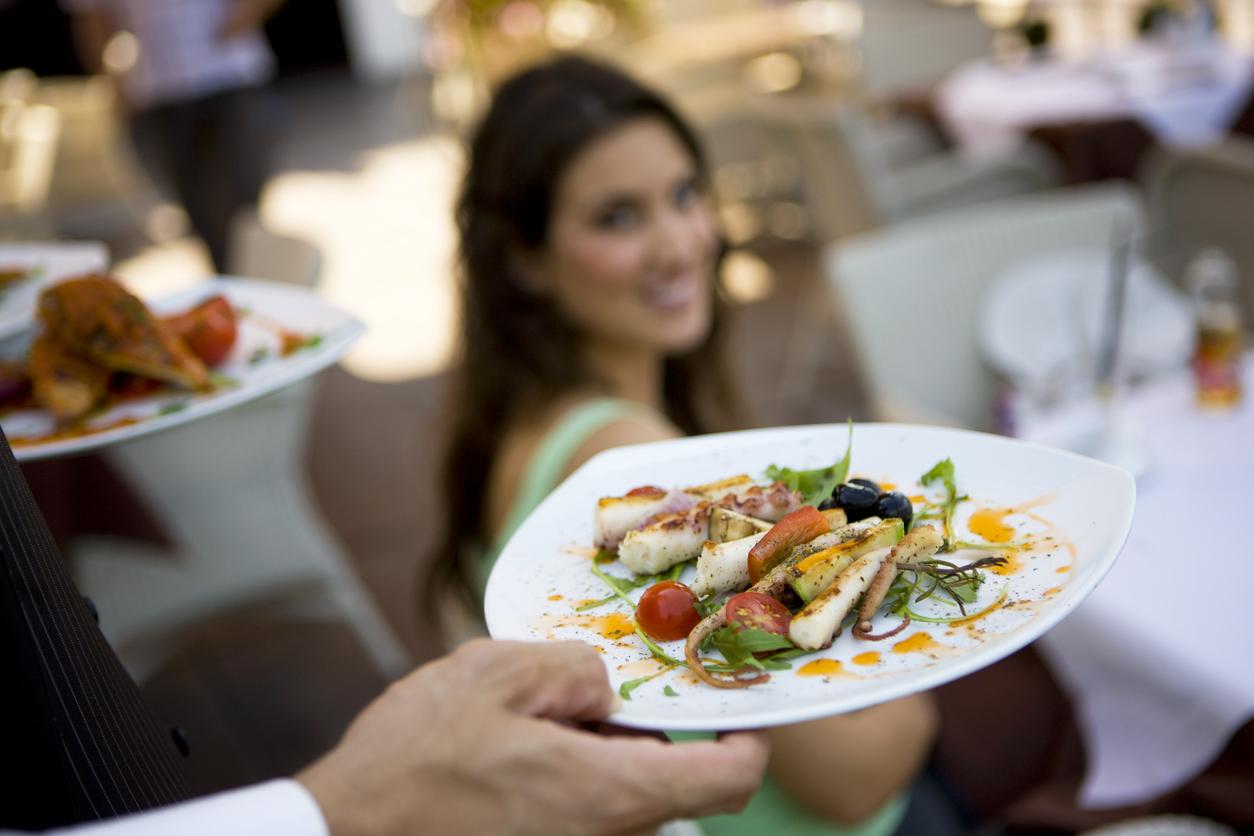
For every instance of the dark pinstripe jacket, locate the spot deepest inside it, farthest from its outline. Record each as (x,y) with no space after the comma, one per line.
(76,741)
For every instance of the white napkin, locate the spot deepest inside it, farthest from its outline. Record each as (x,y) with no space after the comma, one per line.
(1158,661)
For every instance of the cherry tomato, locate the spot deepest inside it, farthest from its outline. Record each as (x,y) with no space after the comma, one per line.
(645,490)
(209,329)
(801,526)
(666,611)
(753,609)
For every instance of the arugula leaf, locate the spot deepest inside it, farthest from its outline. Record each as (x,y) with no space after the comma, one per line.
(622,586)
(705,606)
(738,646)
(815,485)
(943,472)
(630,685)
(658,653)
(173,407)
(670,692)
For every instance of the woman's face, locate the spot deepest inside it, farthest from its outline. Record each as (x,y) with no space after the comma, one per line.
(631,242)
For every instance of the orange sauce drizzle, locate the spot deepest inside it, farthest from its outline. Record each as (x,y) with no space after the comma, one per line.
(555,597)
(821,667)
(613,626)
(641,667)
(868,658)
(916,644)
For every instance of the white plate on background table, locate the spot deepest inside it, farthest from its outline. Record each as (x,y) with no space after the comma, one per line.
(254,367)
(1076,511)
(45,263)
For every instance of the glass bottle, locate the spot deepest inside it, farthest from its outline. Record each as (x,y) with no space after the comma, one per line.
(1211,277)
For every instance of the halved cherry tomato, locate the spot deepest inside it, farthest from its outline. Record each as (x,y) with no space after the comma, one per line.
(801,526)
(666,611)
(209,329)
(645,490)
(754,609)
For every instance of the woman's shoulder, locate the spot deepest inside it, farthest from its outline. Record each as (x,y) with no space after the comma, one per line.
(600,424)
(559,437)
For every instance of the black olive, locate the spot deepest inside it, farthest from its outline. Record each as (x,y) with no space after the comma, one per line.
(828,503)
(867,483)
(857,500)
(895,504)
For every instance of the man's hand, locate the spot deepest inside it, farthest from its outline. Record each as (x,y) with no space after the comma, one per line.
(482,742)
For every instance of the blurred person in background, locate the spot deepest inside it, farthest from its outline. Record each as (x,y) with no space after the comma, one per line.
(592,319)
(192,76)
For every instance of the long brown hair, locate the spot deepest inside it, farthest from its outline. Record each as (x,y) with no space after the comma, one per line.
(517,349)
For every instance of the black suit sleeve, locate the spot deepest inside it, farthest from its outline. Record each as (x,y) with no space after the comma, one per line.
(76,741)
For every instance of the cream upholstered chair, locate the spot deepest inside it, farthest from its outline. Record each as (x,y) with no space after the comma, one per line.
(1204,198)
(231,491)
(910,293)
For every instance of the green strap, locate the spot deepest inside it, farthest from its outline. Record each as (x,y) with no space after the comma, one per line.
(552,456)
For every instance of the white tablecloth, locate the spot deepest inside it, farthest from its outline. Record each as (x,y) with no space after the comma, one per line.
(1184,98)
(1159,661)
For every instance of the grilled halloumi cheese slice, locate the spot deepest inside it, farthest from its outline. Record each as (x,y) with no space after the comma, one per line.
(617,515)
(817,624)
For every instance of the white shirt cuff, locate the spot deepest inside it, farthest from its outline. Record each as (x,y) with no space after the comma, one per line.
(275,808)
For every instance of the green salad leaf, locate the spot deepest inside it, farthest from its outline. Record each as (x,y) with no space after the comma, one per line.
(943,472)
(815,485)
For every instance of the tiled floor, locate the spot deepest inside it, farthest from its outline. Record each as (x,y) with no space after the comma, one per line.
(260,697)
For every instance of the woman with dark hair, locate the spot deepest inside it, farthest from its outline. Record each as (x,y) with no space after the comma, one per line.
(593,319)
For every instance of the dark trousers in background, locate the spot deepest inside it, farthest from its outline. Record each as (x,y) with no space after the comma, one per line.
(213,153)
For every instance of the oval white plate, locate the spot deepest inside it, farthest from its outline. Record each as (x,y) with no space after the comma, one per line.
(254,366)
(1084,505)
(47,263)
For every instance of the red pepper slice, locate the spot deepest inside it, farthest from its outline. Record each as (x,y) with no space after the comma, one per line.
(801,526)
(646,490)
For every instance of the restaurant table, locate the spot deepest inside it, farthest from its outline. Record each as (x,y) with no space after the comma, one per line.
(1141,701)
(1183,97)
(1157,662)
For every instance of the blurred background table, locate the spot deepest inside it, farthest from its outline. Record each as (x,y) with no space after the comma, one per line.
(1100,115)
(1149,660)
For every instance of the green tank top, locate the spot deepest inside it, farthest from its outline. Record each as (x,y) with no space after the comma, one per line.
(770,810)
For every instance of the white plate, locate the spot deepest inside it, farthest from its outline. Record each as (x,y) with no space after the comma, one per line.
(48,263)
(254,365)
(544,571)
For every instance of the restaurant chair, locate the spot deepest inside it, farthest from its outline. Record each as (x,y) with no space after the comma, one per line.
(232,492)
(910,294)
(96,171)
(29,134)
(1203,198)
(858,176)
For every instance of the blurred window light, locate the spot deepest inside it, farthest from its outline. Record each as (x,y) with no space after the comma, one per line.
(839,18)
(740,222)
(415,8)
(575,22)
(121,53)
(746,277)
(774,72)
(1000,14)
